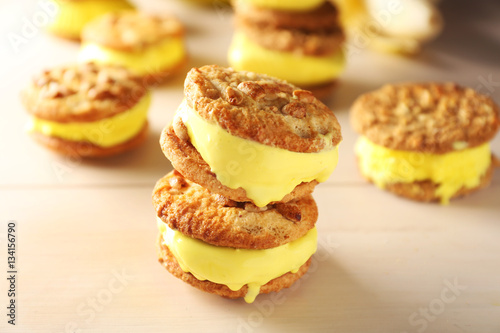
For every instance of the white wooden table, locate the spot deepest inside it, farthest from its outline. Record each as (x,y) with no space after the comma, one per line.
(86,259)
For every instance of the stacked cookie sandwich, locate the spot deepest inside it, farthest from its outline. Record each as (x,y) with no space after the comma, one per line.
(297,41)
(236,216)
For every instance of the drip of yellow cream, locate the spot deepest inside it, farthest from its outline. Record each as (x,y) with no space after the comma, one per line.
(104,133)
(153,59)
(238,267)
(73,15)
(266,173)
(451,171)
(292,5)
(245,55)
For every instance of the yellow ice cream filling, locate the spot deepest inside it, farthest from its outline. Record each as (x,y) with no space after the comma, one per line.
(73,15)
(153,59)
(287,4)
(266,173)
(238,267)
(295,68)
(103,133)
(451,171)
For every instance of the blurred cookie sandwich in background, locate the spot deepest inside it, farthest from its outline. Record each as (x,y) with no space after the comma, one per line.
(393,26)
(426,141)
(151,46)
(300,42)
(87,110)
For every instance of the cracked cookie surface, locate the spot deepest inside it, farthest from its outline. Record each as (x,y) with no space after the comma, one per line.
(82,93)
(193,210)
(262,108)
(426,117)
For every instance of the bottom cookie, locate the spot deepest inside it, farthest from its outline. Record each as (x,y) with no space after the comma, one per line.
(86,149)
(166,258)
(65,34)
(426,190)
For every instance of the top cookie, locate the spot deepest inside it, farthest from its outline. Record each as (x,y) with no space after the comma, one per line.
(261,108)
(131,30)
(426,117)
(83,92)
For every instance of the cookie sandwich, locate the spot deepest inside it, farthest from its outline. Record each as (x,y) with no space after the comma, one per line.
(297,41)
(151,46)
(87,110)
(73,15)
(426,141)
(236,217)
(251,137)
(232,249)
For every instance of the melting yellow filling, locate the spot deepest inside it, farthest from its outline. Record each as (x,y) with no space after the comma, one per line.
(295,68)
(451,171)
(73,15)
(104,133)
(153,59)
(238,267)
(287,4)
(266,173)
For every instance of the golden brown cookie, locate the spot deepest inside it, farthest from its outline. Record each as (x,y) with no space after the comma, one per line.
(168,261)
(425,117)
(260,108)
(87,109)
(314,33)
(214,219)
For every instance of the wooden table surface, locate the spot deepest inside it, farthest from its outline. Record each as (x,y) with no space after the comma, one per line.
(86,258)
